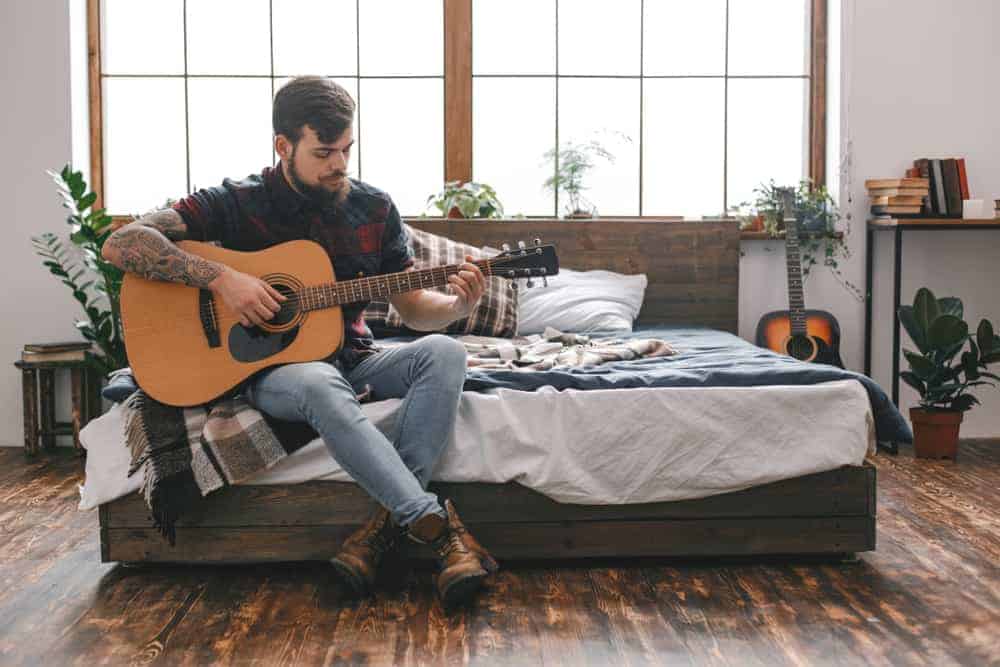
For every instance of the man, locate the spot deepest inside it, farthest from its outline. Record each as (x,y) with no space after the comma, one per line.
(309,196)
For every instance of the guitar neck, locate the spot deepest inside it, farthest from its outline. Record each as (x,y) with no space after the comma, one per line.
(796,300)
(328,295)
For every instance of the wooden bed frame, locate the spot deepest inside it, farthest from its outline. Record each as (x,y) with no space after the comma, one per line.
(693,270)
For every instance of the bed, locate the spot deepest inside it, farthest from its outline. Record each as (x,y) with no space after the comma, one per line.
(797,484)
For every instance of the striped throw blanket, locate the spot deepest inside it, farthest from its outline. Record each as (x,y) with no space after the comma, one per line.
(186,453)
(554,349)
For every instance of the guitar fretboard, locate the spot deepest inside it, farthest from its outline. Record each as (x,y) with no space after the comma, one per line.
(796,302)
(379,287)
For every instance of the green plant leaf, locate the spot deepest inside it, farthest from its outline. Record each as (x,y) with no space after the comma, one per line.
(923,367)
(991,358)
(915,382)
(970,365)
(984,336)
(909,322)
(949,305)
(925,309)
(946,331)
(964,402)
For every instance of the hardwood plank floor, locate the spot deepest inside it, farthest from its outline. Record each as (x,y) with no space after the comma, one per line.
(930,594)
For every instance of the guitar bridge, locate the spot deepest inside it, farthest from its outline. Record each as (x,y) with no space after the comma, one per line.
(209,319)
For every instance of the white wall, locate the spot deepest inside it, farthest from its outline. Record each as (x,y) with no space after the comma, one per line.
(918,80)
(35,133)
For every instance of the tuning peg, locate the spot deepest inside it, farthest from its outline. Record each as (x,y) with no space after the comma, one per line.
(505,247)
(520,245)
(538,241)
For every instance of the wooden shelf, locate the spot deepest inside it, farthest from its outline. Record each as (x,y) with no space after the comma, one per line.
(764,236)
(916,223)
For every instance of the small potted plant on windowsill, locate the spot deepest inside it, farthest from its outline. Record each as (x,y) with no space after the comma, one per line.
(569,168)
(937,329)
(467,200)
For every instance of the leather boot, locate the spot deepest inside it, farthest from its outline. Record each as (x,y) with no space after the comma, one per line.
(360,555)
(460,569)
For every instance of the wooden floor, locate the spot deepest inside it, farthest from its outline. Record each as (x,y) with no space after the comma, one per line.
(930,594)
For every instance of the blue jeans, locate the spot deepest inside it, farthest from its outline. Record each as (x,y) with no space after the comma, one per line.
(427,373)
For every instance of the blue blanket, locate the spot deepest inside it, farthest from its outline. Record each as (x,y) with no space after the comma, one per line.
(705,358)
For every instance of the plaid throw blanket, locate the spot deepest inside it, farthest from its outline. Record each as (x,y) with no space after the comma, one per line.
(553,348)
(186,453)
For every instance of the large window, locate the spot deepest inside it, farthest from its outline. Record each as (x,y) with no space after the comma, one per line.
(697,101)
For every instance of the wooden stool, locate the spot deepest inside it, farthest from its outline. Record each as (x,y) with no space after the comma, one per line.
(38,386)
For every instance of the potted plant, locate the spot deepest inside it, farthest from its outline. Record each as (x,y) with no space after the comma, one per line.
(570,166)
(819,223)
(97,284)
(467,200)
(937,329)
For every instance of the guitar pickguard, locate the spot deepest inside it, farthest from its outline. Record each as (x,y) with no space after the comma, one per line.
(249,344)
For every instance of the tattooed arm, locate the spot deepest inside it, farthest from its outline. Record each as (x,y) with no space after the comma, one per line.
(146,247)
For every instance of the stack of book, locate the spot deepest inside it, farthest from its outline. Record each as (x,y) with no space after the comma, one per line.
(48,352)
(949,185)
(897,197)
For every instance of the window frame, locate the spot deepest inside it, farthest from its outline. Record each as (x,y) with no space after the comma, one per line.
(458,82)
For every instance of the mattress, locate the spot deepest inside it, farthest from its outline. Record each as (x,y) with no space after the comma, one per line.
(601,446)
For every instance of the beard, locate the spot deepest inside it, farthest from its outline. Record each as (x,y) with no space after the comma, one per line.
(320,195)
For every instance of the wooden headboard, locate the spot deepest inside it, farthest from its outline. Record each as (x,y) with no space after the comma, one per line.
(693,267)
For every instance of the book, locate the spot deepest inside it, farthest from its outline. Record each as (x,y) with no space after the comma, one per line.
(897,183)
(940,203)
(923,165)
(69,355)
(952,188)
(963,179)
(898,201)
(893,210)
(898,192)
(58,347)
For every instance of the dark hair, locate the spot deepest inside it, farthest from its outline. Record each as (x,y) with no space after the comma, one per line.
(315,101)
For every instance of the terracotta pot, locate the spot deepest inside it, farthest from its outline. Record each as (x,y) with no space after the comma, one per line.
(455,212)
(935,433)
(757,225)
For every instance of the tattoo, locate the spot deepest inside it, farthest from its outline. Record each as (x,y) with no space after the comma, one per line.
(146,248)
(168,222)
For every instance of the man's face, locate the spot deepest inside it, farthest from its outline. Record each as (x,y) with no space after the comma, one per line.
(316,169)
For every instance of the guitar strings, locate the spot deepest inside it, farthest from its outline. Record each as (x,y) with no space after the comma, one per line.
(338,289)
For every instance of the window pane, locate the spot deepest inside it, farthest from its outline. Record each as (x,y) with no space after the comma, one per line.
(768,37)
(683,147)
(605,110)
(144,146)
(768,132)
(598,37)
(230,124)
(498,24)
(402,139)
(229,37)
(685,38)
(402,38)
(509,141)
(315,37)
(142,37)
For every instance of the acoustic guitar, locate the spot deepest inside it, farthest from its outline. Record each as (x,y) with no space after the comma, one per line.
(807,335)
(186,347)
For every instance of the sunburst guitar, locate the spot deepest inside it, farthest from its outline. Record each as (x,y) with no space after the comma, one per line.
(186,347)
(807,335)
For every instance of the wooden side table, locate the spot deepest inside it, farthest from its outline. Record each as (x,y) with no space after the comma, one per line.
(39,396)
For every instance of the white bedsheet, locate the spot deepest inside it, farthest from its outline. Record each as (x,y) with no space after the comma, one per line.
(591,447)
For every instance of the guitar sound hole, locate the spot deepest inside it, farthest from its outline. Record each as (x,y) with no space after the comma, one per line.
(289,309)
(800,347)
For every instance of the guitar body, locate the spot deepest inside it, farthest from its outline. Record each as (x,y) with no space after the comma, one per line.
(820,344)
(169,327)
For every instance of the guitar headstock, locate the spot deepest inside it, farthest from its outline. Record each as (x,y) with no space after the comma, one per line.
(788,213)
(535,261)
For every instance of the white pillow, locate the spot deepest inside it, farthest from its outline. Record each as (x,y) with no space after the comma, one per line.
(581,301)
